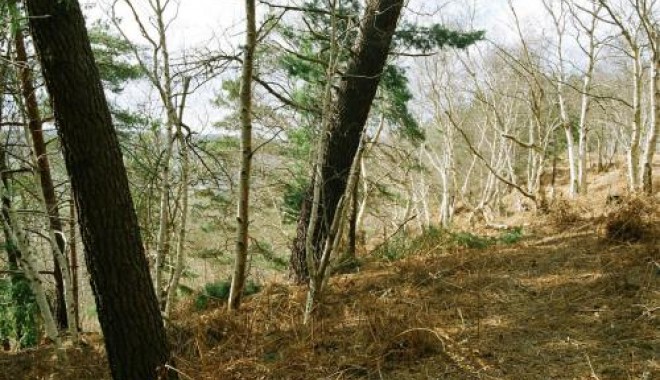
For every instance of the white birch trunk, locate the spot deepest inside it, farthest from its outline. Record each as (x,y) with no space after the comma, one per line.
(633,154)
(652,135)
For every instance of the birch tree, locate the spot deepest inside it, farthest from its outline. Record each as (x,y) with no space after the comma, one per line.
(648,18)
(630,31)
(591,51)
(243,215)
(159,70)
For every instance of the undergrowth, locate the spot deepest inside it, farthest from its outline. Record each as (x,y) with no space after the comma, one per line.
(402,244)
(632,221)
(215,292)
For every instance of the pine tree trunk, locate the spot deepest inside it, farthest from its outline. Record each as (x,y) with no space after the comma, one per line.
(119,274)
(355,96)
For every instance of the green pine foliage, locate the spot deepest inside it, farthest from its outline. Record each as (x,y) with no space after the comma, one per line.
(111,53)
(218,291)
(304,58)
(429,38)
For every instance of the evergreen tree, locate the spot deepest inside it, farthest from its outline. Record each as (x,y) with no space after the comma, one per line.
(126,302)
(306,64)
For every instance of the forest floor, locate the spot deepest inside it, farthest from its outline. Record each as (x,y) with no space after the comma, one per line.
(565,302)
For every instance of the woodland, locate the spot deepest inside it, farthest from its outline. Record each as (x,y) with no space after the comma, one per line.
(330,189)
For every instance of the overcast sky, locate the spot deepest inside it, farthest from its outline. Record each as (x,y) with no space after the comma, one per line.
(208,23)
(201,20)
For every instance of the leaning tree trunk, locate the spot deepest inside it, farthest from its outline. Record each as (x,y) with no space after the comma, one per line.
(355,96)
(134,334)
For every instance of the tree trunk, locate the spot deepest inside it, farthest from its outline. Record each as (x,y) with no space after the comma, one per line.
(126,302)
(352,221)
(355,96)
(633,149)
(183,225)
(652,138)
(184,158)
(73,261)
(43,167)
(243,215)
(162,242)
(584,108)
(10,246)
(570,148)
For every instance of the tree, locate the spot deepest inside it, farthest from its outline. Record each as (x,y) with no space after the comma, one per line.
(242,217)
(355,95)
(159,70)
(631,34)
(365,69)
(64,310)
(126,302)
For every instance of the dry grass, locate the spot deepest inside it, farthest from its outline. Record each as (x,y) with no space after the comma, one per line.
(633,220)
(565,306)
(576,307)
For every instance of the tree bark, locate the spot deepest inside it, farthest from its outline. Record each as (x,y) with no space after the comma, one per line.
(73,261)
(652,138)
(633,150)
(352,221)
(355,96)
(119,274)
(242,217)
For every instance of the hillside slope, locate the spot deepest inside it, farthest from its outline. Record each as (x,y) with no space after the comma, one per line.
(562,305)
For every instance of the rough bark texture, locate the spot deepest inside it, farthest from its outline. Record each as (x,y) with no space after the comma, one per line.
(356,93)
(125,299)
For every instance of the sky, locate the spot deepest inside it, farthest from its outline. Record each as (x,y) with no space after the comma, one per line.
(210,23)
(198,21)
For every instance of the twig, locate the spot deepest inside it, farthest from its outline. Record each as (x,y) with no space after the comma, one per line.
(403,224)
(593,373)
(169,367)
